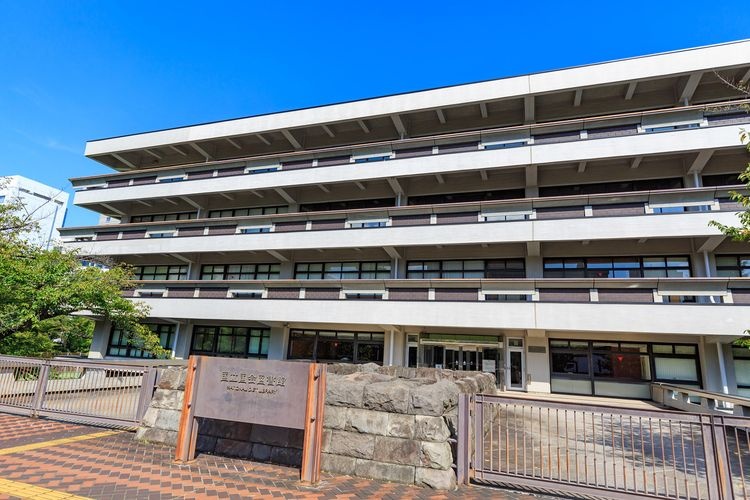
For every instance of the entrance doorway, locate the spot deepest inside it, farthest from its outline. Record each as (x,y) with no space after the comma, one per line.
(516,365)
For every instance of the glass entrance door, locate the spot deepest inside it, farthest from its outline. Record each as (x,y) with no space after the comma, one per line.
(516,371)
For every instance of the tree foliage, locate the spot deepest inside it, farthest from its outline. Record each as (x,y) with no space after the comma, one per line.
(741,232)
(40,288)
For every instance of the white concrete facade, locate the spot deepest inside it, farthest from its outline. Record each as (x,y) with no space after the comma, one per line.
(43,204)
(554,229)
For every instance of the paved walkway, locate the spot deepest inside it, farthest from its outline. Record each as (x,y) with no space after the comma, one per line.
(51,460)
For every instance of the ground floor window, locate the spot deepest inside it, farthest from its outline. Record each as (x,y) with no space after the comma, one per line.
(120,345)
(230,341)
(334,346)
(741,357)
(622,369)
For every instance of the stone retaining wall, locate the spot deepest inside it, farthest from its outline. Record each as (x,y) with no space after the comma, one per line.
(390,423)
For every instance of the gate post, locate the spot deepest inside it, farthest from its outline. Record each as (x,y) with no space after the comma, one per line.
(721,452)
(148,381)
(41,388)
(463,446)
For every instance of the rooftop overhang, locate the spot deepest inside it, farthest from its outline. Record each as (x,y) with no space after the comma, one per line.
(649,82)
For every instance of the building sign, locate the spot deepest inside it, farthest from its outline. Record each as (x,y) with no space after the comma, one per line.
(278,393)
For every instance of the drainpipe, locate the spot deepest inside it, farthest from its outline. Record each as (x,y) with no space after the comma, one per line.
(707,265)
(722,369)
(390,354)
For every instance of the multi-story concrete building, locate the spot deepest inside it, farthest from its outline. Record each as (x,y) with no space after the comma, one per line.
(41,203)
(551,228)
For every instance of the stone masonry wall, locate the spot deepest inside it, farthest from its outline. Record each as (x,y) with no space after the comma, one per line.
(390,423)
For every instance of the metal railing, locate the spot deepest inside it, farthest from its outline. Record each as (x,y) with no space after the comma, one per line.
(99,392)
(603,452)
(696,400)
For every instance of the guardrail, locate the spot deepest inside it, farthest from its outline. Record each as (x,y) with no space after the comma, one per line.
(698,200)
(715,114)
(667,291)
(100,392)
(606,452)
(696,400)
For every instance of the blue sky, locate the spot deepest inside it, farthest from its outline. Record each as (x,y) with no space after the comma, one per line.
(71,71)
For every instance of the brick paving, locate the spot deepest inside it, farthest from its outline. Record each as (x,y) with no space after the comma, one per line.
(117,467)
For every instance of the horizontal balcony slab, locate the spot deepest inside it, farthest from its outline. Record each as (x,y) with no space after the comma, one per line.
(540,154)
(724,320)
(682,225)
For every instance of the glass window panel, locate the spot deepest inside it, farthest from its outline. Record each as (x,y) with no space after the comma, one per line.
(474,265)
(742,371)
(570,363)
(574,264)
(653,262)
(684,349)
(723,260)
(654,273)
(662,348)
(677,262)
(553,264)
(599,263)
(677,369)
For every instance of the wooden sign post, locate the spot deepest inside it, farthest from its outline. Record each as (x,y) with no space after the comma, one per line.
(276,393)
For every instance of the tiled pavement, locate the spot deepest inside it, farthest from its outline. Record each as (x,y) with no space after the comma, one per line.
(116,467)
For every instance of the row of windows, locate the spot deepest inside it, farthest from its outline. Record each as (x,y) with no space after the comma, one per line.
(626,361)
(437,269)
(244,212)
(343,270)
(122,346)
(574,267)
(618,267)
(230,341)
(733,265)
(164,217)
(240,272)
(342,347)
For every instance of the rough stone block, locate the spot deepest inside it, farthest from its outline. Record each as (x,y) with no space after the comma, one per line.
(149,418)
(401,426)
(168,399)
(352,444)
(326,445)
(334,417)
(337,464)
(436,455)
(277,436)
(233,448)
(173,378)
(431,428)
(343,391)
(286,456)
(433,399)
(261,452)
(167,419)
(367,421)
(394,450)
(384,472)
(435,478)
(391,396)
(153,435)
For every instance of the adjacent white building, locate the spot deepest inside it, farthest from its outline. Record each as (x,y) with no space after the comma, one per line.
(44,204)
(551,228)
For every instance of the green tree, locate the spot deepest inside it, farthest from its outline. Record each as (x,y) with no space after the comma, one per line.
(741,232)
(69,334)
(38,288)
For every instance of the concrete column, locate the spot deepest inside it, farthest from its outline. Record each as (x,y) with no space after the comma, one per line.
(286,270)
(277,347)
(534,267)
(182,346)
(537,362)
(99,343)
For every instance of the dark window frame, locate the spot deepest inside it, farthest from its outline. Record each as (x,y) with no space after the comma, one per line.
(588,270)
(357,338)
(225,271)
(442,272)
(301,274)
(743,270)
(181,273)
(165,331)
(237,212)
(235,332)
(136,219)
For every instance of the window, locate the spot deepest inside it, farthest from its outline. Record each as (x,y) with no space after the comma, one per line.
(669,128)
(341,347)
(230,341)
(722,180)
(244,212)
(149,273)
(630,362)
(347,205)
(343,270)
(254,229)
(240,272)
(179,178)
(262,170)
(506,145)
(435,199)
(163,217)
(121,346)
(161,234)
(505,297)
(2,198)
(617,267)
(612,187)
(363,296)
(733,265)
(366,224)
(442,269)
(370,159)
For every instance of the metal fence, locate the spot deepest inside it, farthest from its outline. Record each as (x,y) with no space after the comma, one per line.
(99,392)
(602,451)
